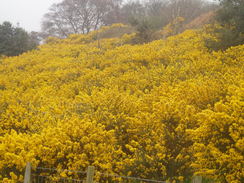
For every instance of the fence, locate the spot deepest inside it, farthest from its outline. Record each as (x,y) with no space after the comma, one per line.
(50,175)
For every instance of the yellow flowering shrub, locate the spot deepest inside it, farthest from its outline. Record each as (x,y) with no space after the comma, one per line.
(162,110)
(219,142)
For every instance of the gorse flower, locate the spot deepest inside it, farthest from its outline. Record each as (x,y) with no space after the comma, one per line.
(162,110)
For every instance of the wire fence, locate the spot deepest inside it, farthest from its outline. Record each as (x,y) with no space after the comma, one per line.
(52,175)
(127,179)
(48,179)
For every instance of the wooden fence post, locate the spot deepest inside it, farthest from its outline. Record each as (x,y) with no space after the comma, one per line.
(197,179)
(90,174)
(27,178)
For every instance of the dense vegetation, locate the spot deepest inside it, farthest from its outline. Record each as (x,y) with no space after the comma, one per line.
(231,16)
(162,110)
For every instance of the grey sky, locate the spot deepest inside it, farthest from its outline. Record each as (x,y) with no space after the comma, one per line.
(27,12)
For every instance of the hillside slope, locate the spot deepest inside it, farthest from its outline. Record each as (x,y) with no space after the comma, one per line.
(162,110)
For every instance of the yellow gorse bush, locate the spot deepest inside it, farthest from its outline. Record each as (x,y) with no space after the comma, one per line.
(162,110)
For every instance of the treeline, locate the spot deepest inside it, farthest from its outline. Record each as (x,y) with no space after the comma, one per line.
(147,17)
(83,16)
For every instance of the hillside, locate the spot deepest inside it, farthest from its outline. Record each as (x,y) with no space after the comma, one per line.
(162,110)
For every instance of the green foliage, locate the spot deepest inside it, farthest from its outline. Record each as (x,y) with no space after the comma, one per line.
(226,38)
(15,40)
(145,30)
(231,18)
(232,14)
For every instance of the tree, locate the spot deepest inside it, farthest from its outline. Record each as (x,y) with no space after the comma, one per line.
(15,40)
(158,13)
(83,16)
(77,16)
(230,16)
(232,13)
(6,34)
(188,9)
(150,16)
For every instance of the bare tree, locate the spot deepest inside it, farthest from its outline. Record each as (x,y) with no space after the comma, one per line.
(76,16)
(158,12)
(189,9)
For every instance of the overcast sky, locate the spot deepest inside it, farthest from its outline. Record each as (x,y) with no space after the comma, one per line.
(28,13)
